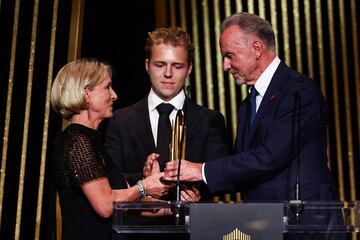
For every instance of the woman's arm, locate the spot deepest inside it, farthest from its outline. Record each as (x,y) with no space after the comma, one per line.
(101,196)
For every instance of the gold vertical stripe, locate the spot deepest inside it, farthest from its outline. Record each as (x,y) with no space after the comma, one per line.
(355,41)
(285,27)
(336,100)
(347,101)
(26,119)
(320,43)
(220,74)
(8,103)
(239,6)
(244,91)
(197,61)
(243,88)
(298,49)
(183,25)
(58,218)
(183,15)
(232,86)
(308,31)
(251,8)
(262,8)
(347,96)
(274,23)
(172,13)
(76,25)
(46,122)
(208,61)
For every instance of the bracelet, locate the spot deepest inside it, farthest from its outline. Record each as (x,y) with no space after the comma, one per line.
(141,188)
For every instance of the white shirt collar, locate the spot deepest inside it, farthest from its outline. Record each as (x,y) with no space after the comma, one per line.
(154,100)
(264,80)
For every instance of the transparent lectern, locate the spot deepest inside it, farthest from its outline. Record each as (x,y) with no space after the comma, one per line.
(151,220)
(235,221)
(322,220)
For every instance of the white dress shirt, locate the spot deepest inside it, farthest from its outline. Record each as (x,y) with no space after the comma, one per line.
(154,100)
(263,81)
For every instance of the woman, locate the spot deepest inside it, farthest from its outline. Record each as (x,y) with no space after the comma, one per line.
(82,94)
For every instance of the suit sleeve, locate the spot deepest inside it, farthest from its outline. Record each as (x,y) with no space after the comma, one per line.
(217,143)
(216,146)
(115,148)
(270,150)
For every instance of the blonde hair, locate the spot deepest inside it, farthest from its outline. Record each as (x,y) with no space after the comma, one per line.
(67,92)
(173,36)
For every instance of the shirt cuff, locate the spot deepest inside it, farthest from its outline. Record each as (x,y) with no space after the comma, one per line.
(203,173)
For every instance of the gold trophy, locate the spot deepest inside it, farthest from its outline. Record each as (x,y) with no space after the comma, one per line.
(178,137)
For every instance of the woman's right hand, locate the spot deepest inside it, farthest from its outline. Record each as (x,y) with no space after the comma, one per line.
(151,165)
(154,186)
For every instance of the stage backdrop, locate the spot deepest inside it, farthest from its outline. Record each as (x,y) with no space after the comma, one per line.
(317,37)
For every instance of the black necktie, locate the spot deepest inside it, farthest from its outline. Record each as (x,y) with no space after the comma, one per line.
(164,132)
(253,94)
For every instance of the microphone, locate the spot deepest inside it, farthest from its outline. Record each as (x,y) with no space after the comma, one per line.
(177,151)
(178,181)
(297,203)
(178,202)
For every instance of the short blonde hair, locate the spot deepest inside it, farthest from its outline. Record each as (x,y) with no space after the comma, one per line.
(67,92)
(173,36)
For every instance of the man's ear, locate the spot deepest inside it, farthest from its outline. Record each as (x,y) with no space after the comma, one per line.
(258,47)
(190,69)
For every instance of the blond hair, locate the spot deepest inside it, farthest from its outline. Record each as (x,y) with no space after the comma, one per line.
(172,35)
(67,92)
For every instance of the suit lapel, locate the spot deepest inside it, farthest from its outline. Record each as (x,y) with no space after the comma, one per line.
(140,123)
(242,137)
(271,97)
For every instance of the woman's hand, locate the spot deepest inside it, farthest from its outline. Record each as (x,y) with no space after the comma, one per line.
(151,165)
(154,186)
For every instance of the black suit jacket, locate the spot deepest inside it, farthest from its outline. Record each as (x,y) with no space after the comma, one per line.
(264,166)
(129,139)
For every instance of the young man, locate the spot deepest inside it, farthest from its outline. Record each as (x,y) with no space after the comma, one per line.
(133,131)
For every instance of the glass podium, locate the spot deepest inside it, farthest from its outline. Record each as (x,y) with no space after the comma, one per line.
(255,221)
(151,220)
(336,217)
(150,217)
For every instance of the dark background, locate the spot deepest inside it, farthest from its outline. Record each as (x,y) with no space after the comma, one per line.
(123,25)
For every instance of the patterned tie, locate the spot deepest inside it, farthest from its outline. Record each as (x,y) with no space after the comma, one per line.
(164,132)
(253,94)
